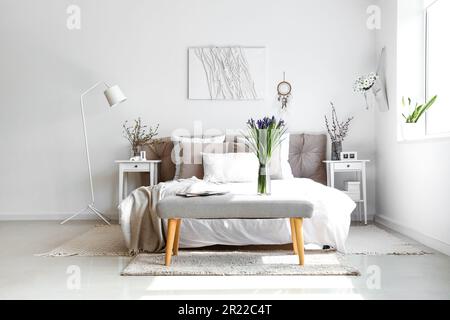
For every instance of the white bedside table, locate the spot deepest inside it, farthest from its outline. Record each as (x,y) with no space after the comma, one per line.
(126,166)
(358,166)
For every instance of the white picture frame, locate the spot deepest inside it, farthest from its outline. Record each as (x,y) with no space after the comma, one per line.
(226,73)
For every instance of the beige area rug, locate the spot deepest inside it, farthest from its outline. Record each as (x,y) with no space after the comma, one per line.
(102,240)
(372,240)
(238,263)
(108,241)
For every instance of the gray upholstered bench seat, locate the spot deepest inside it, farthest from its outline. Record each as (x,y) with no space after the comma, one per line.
(233,206)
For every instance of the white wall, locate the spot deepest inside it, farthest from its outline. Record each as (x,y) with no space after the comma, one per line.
(142,45)
(412,186)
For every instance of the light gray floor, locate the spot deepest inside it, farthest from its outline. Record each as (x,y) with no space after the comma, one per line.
(24,276)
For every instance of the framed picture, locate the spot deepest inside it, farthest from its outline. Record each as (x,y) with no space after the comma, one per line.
(352,155)
(227,73)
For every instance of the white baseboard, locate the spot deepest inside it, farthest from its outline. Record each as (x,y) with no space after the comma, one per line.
(413,234)
(46,216)
(355,217)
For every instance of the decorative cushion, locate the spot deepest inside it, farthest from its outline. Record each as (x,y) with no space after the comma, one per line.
(161,149)
(176,153)
(306,155)
(279,165)
(240,147)
(230,167)
(191,162)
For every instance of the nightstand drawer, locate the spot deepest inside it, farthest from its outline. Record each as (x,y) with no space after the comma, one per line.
(135,166)
(351,166)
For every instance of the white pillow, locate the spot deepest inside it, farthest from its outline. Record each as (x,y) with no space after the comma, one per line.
(176,152)
(279,164)
(230,167)
(280,161)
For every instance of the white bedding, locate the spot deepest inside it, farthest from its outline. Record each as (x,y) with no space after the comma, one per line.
(328,226)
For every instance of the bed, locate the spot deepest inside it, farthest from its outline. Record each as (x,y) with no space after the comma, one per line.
(144,231)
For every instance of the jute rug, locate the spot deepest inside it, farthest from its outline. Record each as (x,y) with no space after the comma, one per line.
(101,240)
(372,240)
(238,263)
(362,240)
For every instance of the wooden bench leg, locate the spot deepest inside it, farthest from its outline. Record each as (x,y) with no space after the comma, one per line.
(294,238)
(299,235)
(172,226)
(177,238)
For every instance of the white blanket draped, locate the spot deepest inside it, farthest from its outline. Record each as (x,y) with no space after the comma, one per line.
(329,224)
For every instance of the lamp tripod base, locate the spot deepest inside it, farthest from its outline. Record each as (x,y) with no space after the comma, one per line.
(89,208)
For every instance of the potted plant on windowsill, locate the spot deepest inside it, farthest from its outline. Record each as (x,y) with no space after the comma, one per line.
(414,127)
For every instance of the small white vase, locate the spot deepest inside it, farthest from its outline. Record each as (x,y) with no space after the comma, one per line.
(413,131)
(369,99)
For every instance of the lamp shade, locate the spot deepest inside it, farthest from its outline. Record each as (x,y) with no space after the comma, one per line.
(114,95)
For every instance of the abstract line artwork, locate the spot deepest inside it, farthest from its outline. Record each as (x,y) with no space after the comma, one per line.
(226,73)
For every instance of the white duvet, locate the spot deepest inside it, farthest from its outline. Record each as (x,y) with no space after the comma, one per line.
(329,224)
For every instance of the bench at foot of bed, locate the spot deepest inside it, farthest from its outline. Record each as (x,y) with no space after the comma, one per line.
(231,206)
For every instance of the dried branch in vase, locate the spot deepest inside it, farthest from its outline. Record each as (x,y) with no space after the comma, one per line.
(337,130)
(138,134)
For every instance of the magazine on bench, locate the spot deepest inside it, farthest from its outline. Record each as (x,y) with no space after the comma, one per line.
(201,194)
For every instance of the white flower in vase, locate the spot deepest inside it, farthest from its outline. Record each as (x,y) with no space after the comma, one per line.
(364,83)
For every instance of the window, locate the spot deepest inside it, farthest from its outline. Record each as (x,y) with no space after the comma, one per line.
(438,67)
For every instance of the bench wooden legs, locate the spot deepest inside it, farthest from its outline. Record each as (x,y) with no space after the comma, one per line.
(294,238)
(177,238)
(298,225)
(173,236)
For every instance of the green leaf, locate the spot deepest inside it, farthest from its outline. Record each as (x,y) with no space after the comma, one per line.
(415,113)
(426,107)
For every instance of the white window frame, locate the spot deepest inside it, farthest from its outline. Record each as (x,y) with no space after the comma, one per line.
(428,5)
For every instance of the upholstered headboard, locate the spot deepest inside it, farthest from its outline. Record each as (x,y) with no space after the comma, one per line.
(161,149)
(306,153)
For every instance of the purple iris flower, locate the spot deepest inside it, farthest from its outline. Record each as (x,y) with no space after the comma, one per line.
(266,123)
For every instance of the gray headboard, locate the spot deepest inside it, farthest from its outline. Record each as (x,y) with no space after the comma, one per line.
(306,153)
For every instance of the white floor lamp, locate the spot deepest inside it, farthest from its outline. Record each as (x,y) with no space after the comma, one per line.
(114,96)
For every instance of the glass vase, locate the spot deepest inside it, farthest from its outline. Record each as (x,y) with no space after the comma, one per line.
(336,149)
(136,150)
(264,183)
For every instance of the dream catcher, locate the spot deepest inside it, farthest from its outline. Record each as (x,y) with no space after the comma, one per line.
(284,89)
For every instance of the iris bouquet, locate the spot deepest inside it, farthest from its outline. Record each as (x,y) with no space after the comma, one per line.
(263,137)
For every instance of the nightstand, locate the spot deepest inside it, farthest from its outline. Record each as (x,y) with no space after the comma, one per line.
(126,166)
(356,166)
